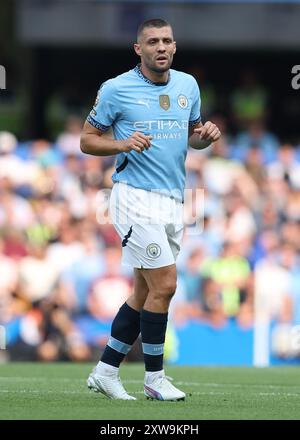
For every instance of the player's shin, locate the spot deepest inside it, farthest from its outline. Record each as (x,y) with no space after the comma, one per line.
(124,331)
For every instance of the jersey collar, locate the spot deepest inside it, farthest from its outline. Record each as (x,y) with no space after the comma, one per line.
(138,70)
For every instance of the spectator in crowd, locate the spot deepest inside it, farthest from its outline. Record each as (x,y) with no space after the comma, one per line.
(102,306)
(232,273)
(38,275)
(249,100)
(68,141)
(255,135)
(208,92)
(68,248)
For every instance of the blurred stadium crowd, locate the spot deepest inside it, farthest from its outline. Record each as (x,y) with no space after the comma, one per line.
(61,280)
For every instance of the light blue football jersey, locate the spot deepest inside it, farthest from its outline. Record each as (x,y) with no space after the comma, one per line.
(131,102)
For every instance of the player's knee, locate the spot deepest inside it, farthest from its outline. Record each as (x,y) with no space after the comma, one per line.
(169,286)
(167,289)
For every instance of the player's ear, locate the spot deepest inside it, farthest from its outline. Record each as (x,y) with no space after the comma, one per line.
(137,49)
(175,48)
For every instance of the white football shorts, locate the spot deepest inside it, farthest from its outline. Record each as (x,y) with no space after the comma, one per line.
(150,226)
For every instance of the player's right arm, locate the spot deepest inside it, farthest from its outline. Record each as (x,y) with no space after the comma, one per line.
(100,143)
(95,137)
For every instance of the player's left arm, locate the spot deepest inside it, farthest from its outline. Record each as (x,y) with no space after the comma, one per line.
(201,136)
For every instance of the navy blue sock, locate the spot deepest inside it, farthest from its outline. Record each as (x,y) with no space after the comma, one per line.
(153,330)
(124,331)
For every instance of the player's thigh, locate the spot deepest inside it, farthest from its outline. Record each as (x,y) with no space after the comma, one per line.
(141,288)
(140,291)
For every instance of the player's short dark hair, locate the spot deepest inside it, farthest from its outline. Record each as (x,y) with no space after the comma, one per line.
(153,22)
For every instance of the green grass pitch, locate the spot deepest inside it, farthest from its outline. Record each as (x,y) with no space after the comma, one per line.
(39,391)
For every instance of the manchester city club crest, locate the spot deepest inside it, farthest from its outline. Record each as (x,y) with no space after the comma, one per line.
(164,101)
(182,101)
(153,250)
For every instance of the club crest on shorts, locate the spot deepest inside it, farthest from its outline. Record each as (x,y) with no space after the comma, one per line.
(164,101)
(182,101)
(153,250)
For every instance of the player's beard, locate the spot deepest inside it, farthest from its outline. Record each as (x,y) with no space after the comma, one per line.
(159,69)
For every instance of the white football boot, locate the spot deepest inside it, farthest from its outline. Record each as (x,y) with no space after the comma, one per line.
(162,389)
(110,386)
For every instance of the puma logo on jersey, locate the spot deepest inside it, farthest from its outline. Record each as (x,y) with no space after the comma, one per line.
(146,103)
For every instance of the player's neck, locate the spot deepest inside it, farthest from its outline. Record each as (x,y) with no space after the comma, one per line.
(155,76)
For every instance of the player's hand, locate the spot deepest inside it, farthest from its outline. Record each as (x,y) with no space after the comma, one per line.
(137,142)
(208,132)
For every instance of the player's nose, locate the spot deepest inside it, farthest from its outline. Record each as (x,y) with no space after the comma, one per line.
(161,47)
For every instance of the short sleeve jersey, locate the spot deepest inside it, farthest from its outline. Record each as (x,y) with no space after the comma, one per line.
(131,102)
